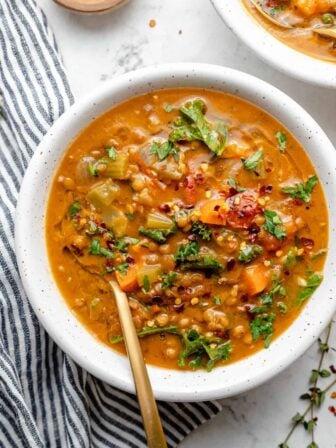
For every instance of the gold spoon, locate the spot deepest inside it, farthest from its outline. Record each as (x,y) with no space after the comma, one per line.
(326,32)
(261,10)
(148,408)
(91,6)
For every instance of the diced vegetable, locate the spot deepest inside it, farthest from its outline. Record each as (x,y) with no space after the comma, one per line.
(256,278)
(117,169)
(152,272)
(103,194)
(116,220)
(214,211)
(156,220)
(128,282)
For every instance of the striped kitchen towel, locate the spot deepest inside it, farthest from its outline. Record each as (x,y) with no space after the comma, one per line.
(46,400)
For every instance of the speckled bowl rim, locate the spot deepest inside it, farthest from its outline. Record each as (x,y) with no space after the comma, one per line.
(273,51)
(45,298)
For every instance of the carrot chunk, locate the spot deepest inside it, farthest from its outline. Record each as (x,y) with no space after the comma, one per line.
(128,281)
(256,278)
(214,212)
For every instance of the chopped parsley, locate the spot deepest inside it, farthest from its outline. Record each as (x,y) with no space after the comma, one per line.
(111,152)
(168,280)
(274,225)
(74,208)
(250,253)
(217,300)
(313,282)
(302,191)
(93,171)
(212,349)
(262,327)
(233,184)
(185,251)
(159,236)
(96,249)
(122,268)
(163,150)
(169,108)
(282,140)
(146,283)
(252,162)
(202,230)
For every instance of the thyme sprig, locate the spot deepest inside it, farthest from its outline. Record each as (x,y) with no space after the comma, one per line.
(315,395)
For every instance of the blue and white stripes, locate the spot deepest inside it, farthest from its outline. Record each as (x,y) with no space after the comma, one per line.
(46,400)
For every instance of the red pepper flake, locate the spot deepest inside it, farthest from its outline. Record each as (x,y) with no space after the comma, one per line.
(307,242)
(298,202)
(216,208)
(332,409)
(179,308)
(164,208)
(333,369)
(230,264)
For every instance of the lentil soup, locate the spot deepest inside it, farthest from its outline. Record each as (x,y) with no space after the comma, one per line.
(208,212)
(303,16)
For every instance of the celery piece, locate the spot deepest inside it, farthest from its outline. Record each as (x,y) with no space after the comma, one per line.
(103,194)
(116,220)
(117,169)
(159,221)
(152,272)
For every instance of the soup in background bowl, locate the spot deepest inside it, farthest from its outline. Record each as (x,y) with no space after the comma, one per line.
(304,16)
(209,212)
(297,52)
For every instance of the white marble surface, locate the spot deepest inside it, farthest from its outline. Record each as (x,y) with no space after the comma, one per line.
(98,48)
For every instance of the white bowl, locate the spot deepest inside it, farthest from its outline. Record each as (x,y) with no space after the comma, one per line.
(273,51)
(46,299)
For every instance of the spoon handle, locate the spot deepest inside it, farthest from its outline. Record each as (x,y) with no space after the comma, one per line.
(147,403)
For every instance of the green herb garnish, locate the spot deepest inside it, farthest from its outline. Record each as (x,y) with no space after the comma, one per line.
(250,253)
(185,251)
(93,171)
(302,191)
(202,230)
(96,249)
(282,140)
(159,236)
(262,327)
(168,280)
(169,108)
(111,152)
(74,208)
(252,162)
(274,225)
(146,283)
(163,150)
(313,282)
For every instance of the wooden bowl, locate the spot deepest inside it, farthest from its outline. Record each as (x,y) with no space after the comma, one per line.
(91,6)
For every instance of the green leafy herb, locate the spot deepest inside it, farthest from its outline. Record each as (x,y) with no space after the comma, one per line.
(213,349)
(292,258)
(160,236)
(201,230)
(111,152)
(268,297)
(262,327)
(163,150)
(233,184)
(192,125)
(130,216)
(169,108)
(122,268)
(313,282)
(282,140)
(302,191)
(168,280)
(185,251)
(274,225)
(318,254)
(93,171)
(96,249)
(74,208)
(146,283)
(217,300)
(282,307)
(148,331)
(250,253)
(202,262)
(252,162)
